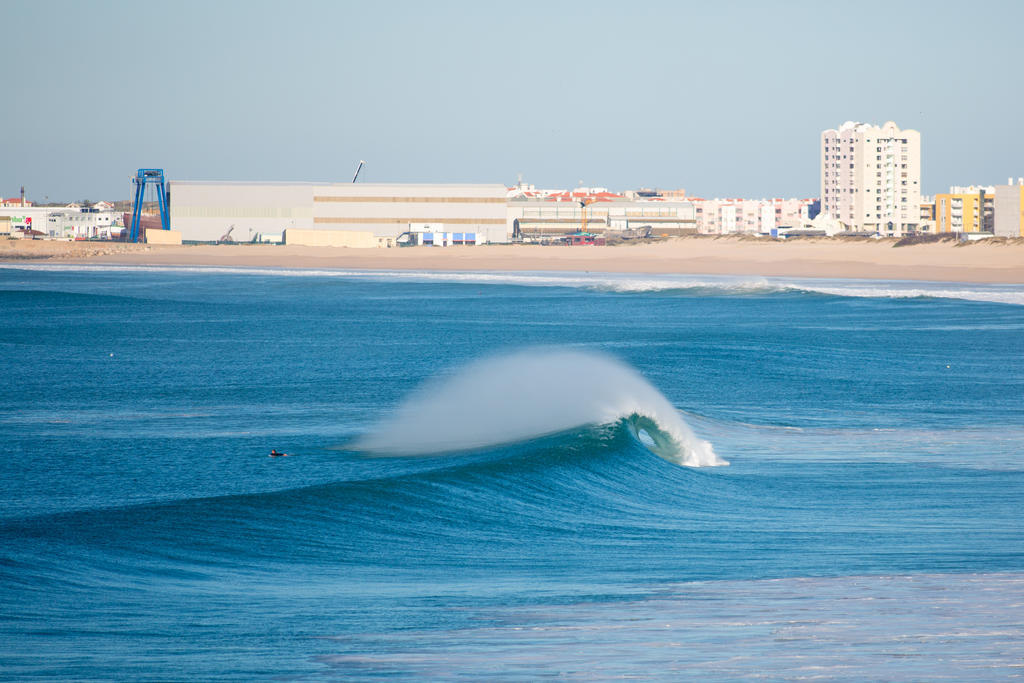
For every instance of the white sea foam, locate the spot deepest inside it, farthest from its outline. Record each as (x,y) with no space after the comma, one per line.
(1002,294)
(529,394)
(611,282)
(993,444)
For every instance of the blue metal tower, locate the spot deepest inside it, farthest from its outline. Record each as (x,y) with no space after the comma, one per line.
(147,176)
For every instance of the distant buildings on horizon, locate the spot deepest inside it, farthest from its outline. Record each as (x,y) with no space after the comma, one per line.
(663,211)
(996,209)
(870,183)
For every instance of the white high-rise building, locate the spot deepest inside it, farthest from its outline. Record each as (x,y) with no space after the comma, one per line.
(871,177)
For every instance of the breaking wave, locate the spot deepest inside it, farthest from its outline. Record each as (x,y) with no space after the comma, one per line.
(530,394)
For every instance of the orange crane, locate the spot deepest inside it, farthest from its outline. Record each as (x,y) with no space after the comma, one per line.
(583,211)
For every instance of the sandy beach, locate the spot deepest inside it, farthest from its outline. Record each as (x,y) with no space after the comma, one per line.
(992,261)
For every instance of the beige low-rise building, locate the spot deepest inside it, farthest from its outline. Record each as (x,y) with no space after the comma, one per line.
(357,239)
(203,211)
(162,236)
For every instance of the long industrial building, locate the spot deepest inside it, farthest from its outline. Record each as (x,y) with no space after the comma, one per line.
(205,211)
(540,218)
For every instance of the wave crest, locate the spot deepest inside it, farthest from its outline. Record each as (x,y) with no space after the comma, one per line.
(529,394)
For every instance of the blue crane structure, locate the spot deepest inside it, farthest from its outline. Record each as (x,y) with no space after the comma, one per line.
(149,176)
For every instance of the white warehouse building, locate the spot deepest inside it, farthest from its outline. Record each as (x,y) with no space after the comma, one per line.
(203,211)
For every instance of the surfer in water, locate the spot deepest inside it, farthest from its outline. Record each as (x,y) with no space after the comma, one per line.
(274,453)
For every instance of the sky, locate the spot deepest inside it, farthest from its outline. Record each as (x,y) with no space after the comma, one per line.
(724,99)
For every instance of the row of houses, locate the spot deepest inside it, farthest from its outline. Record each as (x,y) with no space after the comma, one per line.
(656,212)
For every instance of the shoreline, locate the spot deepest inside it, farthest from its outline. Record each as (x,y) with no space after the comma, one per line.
(988,262)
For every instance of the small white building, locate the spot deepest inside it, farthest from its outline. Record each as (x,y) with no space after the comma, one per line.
(87,222)
(27,217)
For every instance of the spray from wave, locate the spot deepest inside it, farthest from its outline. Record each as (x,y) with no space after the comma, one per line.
(530,394)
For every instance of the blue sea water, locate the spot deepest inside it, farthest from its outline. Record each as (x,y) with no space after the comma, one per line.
(868,524)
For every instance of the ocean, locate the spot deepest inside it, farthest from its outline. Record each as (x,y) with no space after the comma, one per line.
(508,476)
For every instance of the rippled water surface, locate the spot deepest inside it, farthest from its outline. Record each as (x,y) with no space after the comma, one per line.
(484,476)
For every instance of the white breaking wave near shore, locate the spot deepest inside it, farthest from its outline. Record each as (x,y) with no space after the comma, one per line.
(529,394)
(610,282)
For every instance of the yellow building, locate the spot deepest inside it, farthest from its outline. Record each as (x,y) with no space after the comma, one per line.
(965,209)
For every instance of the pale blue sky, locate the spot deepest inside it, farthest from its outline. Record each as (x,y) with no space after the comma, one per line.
(722,98)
